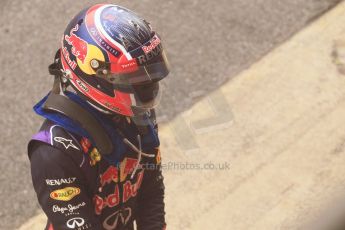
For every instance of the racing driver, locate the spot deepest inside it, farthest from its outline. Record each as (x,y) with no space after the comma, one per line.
(95,161)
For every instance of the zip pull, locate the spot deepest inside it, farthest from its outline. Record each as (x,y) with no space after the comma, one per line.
(127,142)
(139,157)
(139,151)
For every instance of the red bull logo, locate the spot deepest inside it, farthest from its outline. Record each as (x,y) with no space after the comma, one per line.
(155,41)
(110,201)
(71,63)
(79,46)
(112,173)
(129,190)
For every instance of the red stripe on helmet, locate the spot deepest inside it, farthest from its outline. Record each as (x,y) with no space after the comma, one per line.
(98,37)
(120,63)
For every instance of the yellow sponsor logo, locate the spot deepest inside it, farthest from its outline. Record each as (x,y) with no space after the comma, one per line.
(65,194)
(95,157)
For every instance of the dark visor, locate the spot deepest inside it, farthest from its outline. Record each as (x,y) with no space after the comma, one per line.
(152,66)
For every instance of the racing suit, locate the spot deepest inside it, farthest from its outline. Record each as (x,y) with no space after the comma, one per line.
(79,188)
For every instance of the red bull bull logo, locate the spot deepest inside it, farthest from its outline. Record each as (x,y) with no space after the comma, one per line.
(112,173)
(115,175)
(79,46)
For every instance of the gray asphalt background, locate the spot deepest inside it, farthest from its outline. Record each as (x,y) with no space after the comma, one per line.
(208,42)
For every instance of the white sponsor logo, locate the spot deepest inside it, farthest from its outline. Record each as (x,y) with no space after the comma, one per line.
(69,208)
(61,181)
(82,86)
(66,142)
(122,216)
(154,43)
(75,222)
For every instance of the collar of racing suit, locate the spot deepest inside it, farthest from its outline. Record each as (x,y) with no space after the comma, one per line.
(123,136)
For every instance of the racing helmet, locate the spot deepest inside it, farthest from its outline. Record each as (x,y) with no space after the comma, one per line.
(113,59)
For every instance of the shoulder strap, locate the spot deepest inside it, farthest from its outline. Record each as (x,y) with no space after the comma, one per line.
(62,105)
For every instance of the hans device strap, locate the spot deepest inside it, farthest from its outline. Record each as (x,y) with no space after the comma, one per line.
(61,104)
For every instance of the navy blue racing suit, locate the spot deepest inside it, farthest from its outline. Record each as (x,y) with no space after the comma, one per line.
(79,188)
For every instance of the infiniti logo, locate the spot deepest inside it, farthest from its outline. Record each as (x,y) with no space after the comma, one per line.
(75,222)
(122,216)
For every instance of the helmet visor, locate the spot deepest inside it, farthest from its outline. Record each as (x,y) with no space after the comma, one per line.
(145,67)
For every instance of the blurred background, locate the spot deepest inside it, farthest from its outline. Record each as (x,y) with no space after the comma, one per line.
(208,43)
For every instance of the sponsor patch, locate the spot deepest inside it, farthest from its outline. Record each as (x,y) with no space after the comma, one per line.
(121,216)
(70,62)
(129,190)
(76,222)
(143,59)
(60,181)
(155,41)
(82,86)
(70,208)
(65,194)
(85,144)
(65,142)
(79,46)
(95,156)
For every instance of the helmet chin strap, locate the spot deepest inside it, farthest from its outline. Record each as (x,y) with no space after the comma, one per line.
(61,104)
